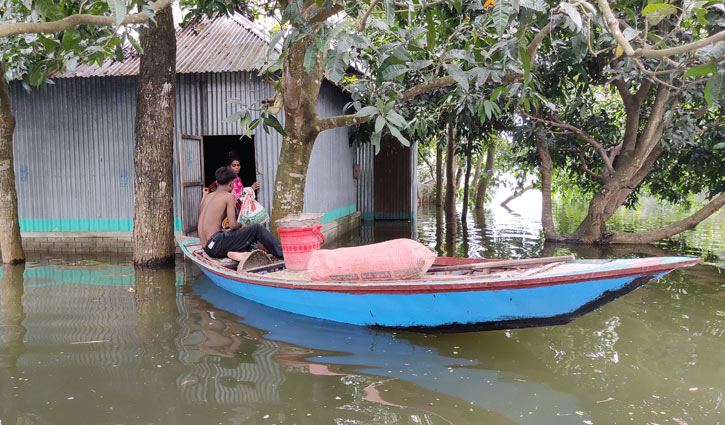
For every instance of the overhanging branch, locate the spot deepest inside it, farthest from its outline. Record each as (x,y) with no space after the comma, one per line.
(579,132)
(17,28)
(339,121)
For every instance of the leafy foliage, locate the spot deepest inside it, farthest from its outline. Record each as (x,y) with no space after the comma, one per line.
(33,58)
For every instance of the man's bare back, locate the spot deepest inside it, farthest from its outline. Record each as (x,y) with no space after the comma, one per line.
(214,208)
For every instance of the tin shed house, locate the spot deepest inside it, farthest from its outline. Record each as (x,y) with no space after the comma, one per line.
(73,141)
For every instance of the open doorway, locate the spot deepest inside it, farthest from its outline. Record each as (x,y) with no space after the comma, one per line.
(216,153)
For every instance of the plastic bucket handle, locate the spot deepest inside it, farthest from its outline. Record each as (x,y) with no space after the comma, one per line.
(316,232)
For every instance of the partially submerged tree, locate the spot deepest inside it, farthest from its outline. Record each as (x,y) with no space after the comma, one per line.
(402,54)
(634,102)
(41,37)
(153,218)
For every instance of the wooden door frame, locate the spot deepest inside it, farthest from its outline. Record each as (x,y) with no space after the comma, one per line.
(184,184)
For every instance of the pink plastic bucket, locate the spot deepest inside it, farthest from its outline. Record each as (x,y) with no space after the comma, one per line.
(298,244)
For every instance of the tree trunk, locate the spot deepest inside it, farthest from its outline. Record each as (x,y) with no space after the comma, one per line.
(477,172)
(459,176)
(289,186)
(631,169)
(439,175)
(11,311)
(546,171)
(487,176)
(450,204)
(300,89)
(464,213)
(153,221)
(10,242)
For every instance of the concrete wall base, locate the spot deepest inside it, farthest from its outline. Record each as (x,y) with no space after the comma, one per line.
(121,243)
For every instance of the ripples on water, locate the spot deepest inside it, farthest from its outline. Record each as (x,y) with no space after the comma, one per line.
(91,341)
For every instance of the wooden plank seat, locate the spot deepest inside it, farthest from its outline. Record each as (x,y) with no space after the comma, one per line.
(526,266)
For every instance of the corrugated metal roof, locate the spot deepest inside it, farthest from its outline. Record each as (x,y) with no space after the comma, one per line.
(223,44)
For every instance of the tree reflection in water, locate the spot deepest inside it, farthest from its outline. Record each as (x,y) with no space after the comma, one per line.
(156,328)
(12,332)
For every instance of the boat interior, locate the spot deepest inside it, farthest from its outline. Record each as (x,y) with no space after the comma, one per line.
(444,268)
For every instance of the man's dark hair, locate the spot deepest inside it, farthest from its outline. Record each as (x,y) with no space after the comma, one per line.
(224,175)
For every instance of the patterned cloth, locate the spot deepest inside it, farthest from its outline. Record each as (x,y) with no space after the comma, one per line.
(238,190)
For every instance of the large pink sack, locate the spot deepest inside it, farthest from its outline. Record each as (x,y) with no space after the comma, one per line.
(392,260)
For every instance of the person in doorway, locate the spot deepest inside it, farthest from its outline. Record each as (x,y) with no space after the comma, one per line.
(236,165)
(218,205)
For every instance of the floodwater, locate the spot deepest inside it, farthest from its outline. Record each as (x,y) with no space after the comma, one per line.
(91,341)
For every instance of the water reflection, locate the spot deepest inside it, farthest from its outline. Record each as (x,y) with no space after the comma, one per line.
(504,233)
(157,330)
(407,362)
(97,342)
(12,332)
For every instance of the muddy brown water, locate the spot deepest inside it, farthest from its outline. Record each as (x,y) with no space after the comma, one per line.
(91,341)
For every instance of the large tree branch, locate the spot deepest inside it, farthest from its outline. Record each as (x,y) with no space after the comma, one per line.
(632,106)
(612,24)
(426,87)
(17,28)
(685,48)
(364,19)
(581,133)
(323,14)
(536,42)
(673,229)
(653,129)
(339,121)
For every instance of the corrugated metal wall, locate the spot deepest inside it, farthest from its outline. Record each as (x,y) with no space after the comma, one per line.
(74,146)
(214,107)
(365,153)
(330,183)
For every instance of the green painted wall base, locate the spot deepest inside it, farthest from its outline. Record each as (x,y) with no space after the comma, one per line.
(81,225)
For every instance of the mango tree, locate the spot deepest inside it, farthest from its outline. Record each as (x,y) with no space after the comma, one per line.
(634,102)
(399,55)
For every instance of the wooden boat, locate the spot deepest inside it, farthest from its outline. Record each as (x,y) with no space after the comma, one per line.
(455,293)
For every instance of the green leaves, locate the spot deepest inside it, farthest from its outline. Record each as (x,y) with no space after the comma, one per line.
(366,111)
(657,12)
(118,9)
(699,71)
(715,88)
(393,71)
(500,14)
(71,39)
(244,117)
(573,14)
(457,74)
(537,5)
(386,117)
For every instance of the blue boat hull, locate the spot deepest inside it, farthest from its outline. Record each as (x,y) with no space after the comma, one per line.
(486,309)
(448,302)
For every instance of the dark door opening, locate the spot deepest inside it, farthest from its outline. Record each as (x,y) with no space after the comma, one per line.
(391,181)
(217,150)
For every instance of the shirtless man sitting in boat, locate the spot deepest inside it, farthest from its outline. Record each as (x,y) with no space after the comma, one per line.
(218,205)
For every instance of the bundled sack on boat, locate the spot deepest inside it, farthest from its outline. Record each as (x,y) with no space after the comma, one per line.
(392,260)
(251,212)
